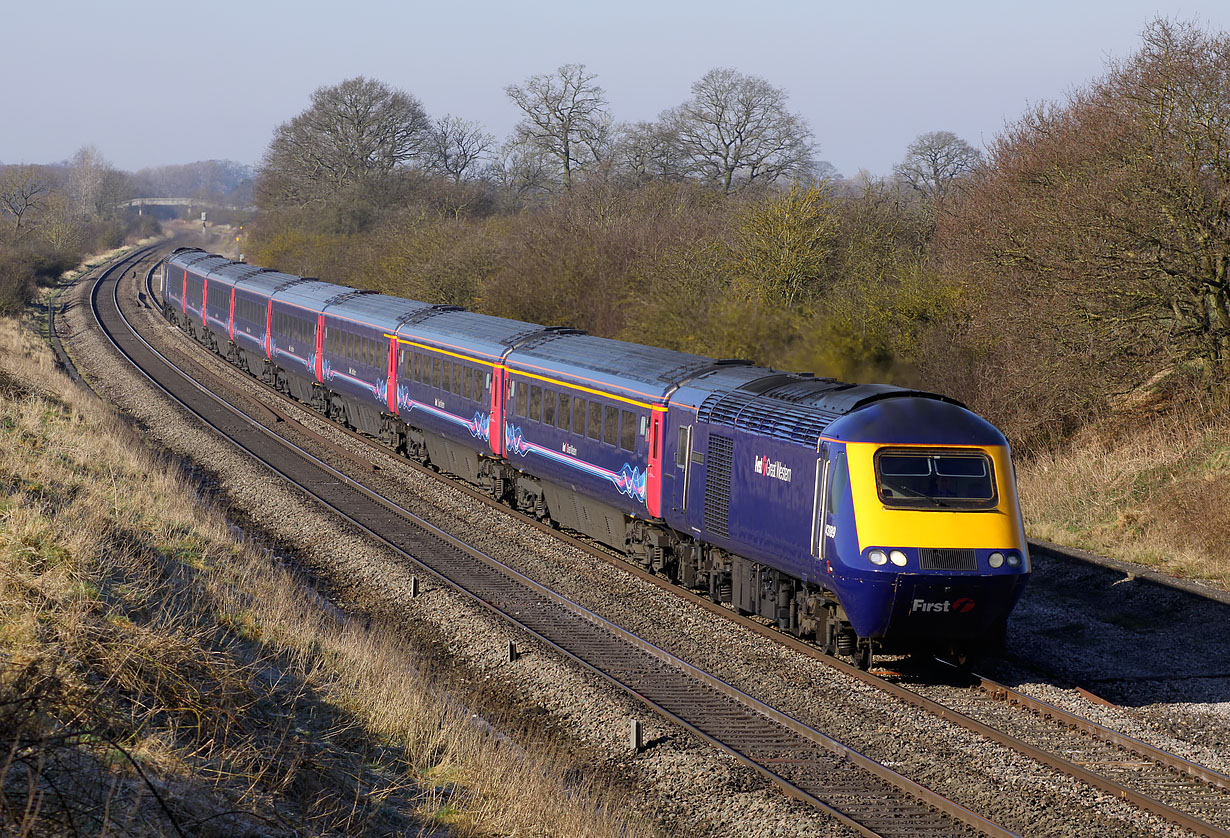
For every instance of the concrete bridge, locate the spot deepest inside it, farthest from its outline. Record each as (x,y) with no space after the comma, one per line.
(141,203)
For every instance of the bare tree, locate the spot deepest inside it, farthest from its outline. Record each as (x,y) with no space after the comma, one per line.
(87,174)
(736,130)
(455,146)
(21,190)
(566,117)
(58,224)
(934,160)
(521,170)
(352,131)
(648,151)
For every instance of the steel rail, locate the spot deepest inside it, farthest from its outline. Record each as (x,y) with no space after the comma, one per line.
(53,304)
(802,771)
(991,688)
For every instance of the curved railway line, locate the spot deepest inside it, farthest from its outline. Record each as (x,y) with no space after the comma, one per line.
(804,762)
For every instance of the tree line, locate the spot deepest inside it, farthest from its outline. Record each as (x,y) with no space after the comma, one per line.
(735,131)
(51,216)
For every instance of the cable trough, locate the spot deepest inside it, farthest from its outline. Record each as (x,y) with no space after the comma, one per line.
(802,761)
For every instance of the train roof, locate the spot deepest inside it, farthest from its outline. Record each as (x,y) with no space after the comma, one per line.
(647,371)
(312,294)
(912,418)
(199,261)
(799,408)
(266,283)
(379,310)
(481,335)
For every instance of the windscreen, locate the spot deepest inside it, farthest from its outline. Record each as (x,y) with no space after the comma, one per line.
(925,479)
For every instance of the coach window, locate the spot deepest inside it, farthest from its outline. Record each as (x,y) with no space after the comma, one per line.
(578,416)
(595,421)
(610,433)
(435,372)
(563,418)
(535,402)
(548,407)
(627,430)
(523,398)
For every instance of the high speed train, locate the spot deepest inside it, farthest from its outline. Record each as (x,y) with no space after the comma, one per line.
(869,517)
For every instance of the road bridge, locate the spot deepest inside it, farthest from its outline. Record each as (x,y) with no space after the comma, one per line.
(141,203)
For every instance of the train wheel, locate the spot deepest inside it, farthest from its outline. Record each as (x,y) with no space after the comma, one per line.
(862,655)
(831,630)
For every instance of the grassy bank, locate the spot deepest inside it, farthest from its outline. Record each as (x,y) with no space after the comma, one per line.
(158,677)
(1147,485)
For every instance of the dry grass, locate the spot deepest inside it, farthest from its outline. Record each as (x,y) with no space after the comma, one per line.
(156,677)
(1148,485)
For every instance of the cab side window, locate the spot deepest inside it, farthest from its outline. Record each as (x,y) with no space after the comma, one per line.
(838,478)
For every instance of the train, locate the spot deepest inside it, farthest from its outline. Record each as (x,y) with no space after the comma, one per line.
(869,518)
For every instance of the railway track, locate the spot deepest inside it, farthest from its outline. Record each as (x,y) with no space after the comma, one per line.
(1182,792)
(805,763)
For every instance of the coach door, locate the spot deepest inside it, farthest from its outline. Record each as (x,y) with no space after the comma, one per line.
(683,462)
(819,514)
(831,480)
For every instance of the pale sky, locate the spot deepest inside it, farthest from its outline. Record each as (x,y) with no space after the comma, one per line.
(152,83)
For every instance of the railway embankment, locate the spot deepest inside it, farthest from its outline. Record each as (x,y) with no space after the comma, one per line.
(160,676)
(1146,485)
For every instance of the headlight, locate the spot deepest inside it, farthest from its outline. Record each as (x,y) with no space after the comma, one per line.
(996,560)
(898,558)
(878,557)
(1014,560)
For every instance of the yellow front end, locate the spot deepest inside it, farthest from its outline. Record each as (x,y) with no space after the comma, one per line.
(999,528)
